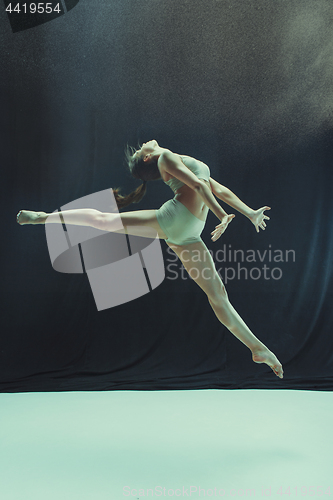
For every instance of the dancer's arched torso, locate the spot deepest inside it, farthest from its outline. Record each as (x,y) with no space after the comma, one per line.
(186,195)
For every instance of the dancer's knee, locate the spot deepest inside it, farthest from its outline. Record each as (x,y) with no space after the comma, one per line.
(106,221)
(222,309)
(95,218)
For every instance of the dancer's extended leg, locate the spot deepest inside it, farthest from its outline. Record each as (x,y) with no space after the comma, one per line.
(199,264)
(138,223)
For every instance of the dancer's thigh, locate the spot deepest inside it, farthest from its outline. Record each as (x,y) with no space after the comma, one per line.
(141,223)
(200,265)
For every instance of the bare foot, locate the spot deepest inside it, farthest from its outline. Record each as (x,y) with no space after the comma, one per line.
(29,217)
(264,355)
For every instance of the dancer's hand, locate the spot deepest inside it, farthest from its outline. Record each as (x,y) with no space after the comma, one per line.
(220,228)
(258,218)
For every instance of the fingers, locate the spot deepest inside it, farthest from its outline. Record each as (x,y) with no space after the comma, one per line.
(260,222)
(221,225)
(261,225)
(216,236)
(220,228)
(262,209)
(217,233)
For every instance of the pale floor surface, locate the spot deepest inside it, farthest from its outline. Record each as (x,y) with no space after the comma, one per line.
(128,444)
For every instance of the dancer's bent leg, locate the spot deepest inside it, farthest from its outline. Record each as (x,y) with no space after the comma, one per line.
(199,264)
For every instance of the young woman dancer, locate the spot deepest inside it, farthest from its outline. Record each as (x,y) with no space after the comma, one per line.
(179,222)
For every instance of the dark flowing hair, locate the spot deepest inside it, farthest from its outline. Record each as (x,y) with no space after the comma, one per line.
(139,169)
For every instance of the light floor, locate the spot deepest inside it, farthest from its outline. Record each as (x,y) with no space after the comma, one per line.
(127,444)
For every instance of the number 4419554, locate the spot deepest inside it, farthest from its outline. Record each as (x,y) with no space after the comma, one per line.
(310,491)
(33,8)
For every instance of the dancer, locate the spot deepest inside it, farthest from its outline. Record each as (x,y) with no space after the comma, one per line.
(179,222)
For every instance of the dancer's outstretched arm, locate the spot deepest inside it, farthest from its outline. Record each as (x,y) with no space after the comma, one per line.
(257,217)
(226,195)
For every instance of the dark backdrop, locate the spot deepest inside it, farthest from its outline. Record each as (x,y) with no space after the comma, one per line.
(245,87)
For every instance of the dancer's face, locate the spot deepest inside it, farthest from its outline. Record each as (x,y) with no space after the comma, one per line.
(146,149)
